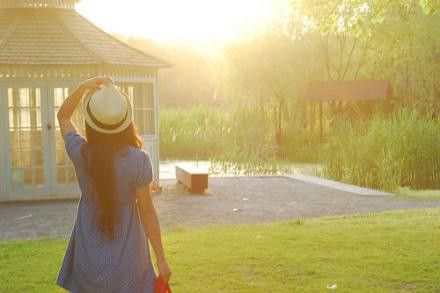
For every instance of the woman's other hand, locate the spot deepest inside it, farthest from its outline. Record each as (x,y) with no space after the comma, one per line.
(164,270)
(95,83)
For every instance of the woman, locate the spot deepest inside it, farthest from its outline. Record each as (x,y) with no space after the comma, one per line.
(108,249)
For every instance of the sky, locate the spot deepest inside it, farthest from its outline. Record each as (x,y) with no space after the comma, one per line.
(202,23)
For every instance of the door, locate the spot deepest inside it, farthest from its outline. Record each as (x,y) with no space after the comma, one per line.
(27,143)
(36,161)
(63,178)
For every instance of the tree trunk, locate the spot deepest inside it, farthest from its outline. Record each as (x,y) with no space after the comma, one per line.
(278,136)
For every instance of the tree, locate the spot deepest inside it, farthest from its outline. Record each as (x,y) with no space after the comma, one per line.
(393,39)
(267,76)
(189,82)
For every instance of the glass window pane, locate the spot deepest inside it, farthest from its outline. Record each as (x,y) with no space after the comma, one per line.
(59,142)
(61,175)
(58,97)
(15,139)
(150,98)
(10,98)
(35,118)
(15,97)
(150,122)
(61,159)
(139,121)
(11,118)
(130,94)
(137,102)
(23,97)
(36,138)
(26,158)
(71,175)
(17,177)
(15,158)
(26,139)
(39,176)
(38,97)
(38,158)
(16,116)
(143,119)
(27,176)
(35,100)
(25,121)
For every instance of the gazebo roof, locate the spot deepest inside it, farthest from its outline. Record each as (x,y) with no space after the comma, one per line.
(38,3)
(346,90)
(54,36)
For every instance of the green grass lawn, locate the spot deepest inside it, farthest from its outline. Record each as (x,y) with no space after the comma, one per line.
(406,192)
(386,252)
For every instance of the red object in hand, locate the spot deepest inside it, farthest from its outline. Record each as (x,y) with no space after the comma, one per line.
(161,285)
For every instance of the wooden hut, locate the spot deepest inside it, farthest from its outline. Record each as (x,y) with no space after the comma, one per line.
(346,92)
(46,50)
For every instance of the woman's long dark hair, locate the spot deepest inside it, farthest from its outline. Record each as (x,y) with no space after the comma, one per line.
(100,169)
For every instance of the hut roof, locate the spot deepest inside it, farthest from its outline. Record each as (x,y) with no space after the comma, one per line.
(35,36)
(345,90)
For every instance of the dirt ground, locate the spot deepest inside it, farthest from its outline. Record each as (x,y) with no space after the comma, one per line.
(228,201)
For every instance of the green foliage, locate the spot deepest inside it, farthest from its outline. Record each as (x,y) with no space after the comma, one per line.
(237,141)
(392,40)
(400,150)
(406,192)
(263,82)
(193,133)
(249,147)
(395,252)
(268,76)
(430,6)
(353,17)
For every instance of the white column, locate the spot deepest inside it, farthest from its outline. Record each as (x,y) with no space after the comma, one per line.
(156,128)
(3,133)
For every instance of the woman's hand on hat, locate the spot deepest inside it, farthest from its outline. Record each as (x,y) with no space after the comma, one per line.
(95,83)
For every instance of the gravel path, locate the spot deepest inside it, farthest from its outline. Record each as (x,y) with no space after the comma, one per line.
(228,201)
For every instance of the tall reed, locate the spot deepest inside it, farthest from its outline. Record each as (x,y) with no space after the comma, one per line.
(236,141)
(387,152)
(192,133)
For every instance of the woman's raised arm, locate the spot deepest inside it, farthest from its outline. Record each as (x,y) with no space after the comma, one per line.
(69,105)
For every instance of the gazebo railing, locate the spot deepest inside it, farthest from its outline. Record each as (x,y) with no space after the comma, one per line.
(75,71)
(68,4)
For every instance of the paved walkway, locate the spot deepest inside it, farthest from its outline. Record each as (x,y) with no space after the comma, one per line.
(232,200)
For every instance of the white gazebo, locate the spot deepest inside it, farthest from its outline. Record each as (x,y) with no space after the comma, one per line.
(46,50)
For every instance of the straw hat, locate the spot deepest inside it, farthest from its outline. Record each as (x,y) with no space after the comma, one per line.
(107,110)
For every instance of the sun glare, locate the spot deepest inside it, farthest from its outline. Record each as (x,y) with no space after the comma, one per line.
(196,21)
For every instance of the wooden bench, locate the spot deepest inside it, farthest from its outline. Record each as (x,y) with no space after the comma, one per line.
(193,178)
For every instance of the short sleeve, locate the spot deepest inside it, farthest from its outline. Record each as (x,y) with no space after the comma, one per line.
(73,143)
(145,172)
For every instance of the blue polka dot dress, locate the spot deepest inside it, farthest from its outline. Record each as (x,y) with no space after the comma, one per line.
(92,263)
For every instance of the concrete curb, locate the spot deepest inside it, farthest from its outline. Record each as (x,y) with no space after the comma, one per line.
(338,185)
